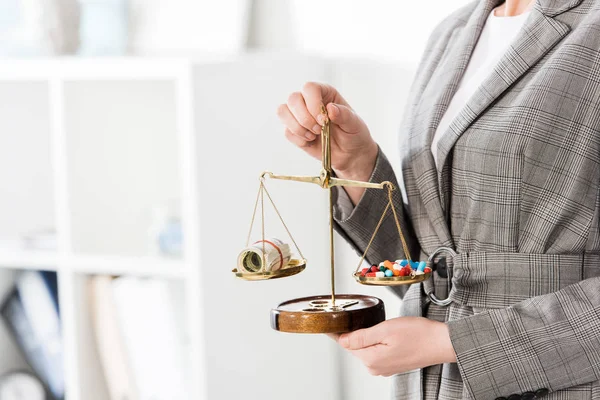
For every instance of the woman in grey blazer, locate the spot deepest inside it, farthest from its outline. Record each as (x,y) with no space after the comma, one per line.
(515,193)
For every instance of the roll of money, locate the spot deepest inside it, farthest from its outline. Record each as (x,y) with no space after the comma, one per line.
(277,254)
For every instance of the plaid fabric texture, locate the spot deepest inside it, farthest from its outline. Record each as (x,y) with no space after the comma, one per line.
(517,195)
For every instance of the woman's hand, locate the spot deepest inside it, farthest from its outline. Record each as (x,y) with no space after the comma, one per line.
(399,345)
(353,150)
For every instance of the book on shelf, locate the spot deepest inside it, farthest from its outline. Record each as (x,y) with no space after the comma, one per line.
(140,330)
(109,340)
(32,314)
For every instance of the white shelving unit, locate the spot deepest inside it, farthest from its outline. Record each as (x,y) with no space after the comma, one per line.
(84,88)
(88,148)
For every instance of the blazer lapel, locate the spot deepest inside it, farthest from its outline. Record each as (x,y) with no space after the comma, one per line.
(539,34)
(432,106)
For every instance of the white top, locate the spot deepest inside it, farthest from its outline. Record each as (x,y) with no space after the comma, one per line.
(496,36)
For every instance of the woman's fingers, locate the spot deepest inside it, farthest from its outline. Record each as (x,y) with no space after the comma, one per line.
(344,117)
(297,105)
(290,122)
(317,94)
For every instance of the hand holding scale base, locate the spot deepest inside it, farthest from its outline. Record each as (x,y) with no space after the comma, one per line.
(326,313)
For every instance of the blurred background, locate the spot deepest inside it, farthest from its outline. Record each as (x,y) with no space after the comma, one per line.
(132,135)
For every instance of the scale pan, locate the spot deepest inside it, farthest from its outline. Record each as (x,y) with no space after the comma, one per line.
(314,314)
(294,267)
(390,281)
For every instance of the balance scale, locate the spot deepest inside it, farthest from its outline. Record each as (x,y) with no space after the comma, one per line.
(326,313)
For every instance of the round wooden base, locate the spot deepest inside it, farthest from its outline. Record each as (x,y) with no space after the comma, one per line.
(315,315)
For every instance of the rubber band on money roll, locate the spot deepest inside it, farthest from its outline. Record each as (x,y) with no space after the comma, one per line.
(277,255)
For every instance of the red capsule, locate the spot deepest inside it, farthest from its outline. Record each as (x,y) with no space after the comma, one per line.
(427,270)
(371,275)
(374,268)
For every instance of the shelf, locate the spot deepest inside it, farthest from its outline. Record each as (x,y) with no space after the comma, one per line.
(28,259)
(131,68)
(115,265)
(107,265)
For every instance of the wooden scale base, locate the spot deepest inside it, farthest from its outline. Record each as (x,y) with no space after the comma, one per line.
(328,313)
(315,315)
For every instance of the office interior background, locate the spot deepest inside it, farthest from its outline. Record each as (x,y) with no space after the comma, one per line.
(132,136)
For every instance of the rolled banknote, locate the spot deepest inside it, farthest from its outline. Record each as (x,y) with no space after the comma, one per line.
(276,256)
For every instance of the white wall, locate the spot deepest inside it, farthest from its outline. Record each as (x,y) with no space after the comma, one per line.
(239,136)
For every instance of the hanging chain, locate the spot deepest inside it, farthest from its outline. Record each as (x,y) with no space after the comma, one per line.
(254,214)
(404,246)
(282,221)
(389,205)
(262,221)
(373,237)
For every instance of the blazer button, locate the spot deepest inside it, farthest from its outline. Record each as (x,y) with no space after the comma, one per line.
(541,392)
(528,396)
(514,397)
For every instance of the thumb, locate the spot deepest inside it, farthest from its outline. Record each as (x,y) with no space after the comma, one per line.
(359,339)
(344,117)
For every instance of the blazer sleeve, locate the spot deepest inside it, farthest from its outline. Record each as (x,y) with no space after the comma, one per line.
(545,343)
(356,224)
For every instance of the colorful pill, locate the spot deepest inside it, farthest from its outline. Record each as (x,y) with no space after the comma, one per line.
(405,271)
(388,264)
(403,263)
(374,268)
(427,270)
(396,272)
(414,264)
(389,273)
(396,266)
(422,265)
(417,272)
(379,274)
(371,275)
(382,268)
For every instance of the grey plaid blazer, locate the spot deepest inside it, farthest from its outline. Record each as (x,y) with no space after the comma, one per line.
(517,196)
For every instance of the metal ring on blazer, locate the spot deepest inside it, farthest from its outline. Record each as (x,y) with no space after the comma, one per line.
(442,302)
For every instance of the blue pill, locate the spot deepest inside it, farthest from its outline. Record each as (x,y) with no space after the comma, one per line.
(389,273)
(422,265)
(403,263)
(414,264)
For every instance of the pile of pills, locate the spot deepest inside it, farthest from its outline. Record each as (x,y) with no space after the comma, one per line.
(388,269)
